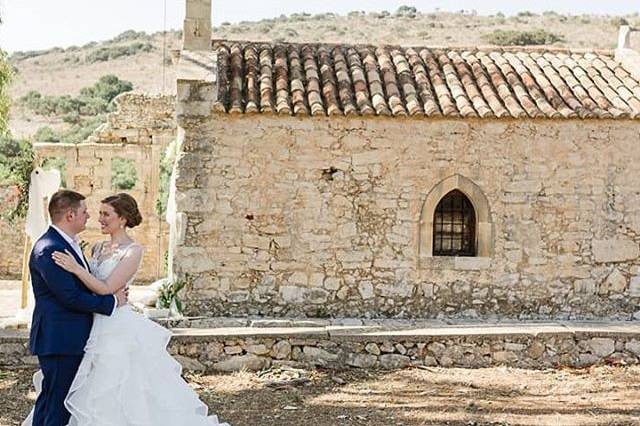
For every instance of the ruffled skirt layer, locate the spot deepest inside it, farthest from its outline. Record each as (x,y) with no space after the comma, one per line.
(127,378)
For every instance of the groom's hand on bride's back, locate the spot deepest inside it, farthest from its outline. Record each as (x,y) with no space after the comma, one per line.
(122,296)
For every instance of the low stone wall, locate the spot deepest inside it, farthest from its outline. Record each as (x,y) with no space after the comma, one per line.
(339,346)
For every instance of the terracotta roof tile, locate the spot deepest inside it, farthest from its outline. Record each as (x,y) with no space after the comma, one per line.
(236,82)
(266,79)
(322,79)
(423,84)
(251,79)
(298,88)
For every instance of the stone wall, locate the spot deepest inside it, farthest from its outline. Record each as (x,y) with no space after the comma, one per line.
(326,216)
(523,346)
(139,130)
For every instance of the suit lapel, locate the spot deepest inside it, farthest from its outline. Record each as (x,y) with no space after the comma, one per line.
(71,249)
(86,262)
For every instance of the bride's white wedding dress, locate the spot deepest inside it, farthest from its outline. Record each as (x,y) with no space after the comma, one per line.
(127,377)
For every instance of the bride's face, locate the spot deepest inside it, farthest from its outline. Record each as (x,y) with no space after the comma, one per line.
(109,220)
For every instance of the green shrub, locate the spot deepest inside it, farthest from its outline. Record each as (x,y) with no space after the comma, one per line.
(522,38)
(21,56)
(93,100)
(108,87)
(81,131)
(46,134)
(77,133)
(16,164)
(169,294)
(103,54)
(129,35)
(6,73)
(406,11)
(166,167)
(123,174)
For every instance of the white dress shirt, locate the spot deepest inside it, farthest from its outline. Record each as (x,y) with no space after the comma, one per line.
(76,247)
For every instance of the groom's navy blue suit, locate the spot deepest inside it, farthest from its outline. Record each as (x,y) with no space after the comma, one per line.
(62,320)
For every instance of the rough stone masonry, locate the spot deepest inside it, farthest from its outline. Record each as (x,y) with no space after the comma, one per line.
(322,217)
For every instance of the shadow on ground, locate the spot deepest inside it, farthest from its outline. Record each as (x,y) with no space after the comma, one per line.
(492,396)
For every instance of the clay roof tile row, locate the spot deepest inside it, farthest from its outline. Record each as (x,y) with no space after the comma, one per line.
(319,79)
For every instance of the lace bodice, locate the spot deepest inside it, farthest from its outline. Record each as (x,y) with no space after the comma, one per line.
(105,258)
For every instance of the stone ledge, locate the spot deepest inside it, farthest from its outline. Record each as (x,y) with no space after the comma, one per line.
(456,263)
(207,334)
(524,345)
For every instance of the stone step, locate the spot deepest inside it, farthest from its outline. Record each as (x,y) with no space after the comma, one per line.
(389,345)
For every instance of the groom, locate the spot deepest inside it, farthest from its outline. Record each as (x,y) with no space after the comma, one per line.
(63,313)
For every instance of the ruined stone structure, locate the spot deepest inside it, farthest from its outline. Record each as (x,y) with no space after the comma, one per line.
(370,181)
(139,130)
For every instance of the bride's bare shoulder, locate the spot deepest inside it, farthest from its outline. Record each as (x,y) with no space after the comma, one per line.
(135,248)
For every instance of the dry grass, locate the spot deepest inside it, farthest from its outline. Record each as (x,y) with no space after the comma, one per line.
(434,396)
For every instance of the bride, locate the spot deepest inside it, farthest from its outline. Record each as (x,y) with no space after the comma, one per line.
(126,376)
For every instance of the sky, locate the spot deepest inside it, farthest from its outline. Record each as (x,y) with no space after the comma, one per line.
(42,24)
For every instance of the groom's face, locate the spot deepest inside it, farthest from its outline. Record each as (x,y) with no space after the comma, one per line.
(79,219)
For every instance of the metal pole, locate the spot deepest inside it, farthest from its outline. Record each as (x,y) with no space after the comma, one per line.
(164,46)
(24,296)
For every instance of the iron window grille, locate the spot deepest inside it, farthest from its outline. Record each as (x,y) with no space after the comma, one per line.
(454,226)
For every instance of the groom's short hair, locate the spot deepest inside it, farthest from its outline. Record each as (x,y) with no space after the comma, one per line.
(63,201)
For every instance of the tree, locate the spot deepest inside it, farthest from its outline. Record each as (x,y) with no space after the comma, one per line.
(108,87)
(5,79)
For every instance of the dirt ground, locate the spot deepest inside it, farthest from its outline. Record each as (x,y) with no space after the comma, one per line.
(433,396)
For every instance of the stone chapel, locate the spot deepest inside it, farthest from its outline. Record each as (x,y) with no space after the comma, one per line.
(404,181)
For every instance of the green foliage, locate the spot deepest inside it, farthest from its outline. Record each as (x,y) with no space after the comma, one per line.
(6,72)
(407,11)
(50,105)
(123,174)
(93,100)
(108,53)
(166,167)
(107,88)
(522,38)
(16,164)
(85,112)
(47,134)
(130,35)
(77,133)
(21,56)
(169,293)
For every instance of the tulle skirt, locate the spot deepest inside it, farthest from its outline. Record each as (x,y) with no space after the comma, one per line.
(127,378)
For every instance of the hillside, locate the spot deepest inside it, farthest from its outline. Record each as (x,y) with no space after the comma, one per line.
(138,57)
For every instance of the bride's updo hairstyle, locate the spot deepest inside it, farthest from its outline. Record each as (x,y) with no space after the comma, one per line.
(125,206)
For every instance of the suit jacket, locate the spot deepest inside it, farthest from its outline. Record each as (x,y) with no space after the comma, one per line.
(63,314)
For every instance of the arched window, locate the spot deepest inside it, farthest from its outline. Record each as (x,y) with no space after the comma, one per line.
(454,226)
